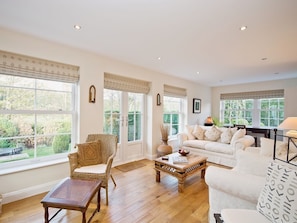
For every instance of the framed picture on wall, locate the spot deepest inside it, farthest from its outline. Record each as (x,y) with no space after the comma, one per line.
(196,105)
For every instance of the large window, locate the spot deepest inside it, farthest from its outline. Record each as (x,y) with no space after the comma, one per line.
(173,114)
(256,109)
(36,119)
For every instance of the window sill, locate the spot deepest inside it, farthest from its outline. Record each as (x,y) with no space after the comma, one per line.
(32,166)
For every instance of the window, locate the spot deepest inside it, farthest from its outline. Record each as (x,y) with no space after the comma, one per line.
(37,110)
(173,114)
(272,111)
(36,118)
(258,109)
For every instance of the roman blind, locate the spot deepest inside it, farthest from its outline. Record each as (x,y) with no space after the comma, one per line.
(121,83)
(26,66)
(253,95)
(174,91)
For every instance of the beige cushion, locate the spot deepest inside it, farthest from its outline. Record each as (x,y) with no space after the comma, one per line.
(237,135)
(96,169)
(190,129)
(89,153)
(198,132)
(212,134)
(226,136)
(267,147)
(252,163)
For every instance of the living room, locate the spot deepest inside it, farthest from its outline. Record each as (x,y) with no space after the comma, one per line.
(92,68)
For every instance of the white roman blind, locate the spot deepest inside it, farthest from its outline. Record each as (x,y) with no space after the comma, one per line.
(26,66)
(253,95)
(174,91)
(121,83)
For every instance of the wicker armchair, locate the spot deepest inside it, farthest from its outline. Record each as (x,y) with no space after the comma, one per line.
(102,170)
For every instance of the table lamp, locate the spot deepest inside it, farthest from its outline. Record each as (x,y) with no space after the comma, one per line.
(290,124)
(208,121)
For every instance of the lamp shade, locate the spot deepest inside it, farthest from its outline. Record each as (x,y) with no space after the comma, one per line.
(289,123)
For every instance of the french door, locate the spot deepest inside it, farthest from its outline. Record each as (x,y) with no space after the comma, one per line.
(123,116)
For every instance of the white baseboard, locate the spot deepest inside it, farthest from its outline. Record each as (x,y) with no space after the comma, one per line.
(28,192)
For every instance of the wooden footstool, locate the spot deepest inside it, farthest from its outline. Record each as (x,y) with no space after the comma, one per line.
(72,194)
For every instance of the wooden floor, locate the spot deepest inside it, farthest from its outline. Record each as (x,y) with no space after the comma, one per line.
(136,198)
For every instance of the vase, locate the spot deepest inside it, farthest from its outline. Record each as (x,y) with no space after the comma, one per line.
(164,149)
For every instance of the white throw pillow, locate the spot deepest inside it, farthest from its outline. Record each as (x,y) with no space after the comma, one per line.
(198,132)
(278,199)
(267,147)
(251,163)
(190,129)
(237,135)
(226,136)
(212,134)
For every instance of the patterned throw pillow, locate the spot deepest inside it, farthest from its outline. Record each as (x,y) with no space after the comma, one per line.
(226,136)
(278,199)
(89,153)
(198,132)
(212,134)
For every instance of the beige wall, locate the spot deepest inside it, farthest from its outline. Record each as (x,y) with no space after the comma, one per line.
(92,68)
(289,86)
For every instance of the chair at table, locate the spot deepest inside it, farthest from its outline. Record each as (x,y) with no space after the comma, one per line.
(93,159)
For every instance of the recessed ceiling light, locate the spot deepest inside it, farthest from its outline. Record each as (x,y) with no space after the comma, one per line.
(78,27)
(159,58)
(198,72)
(242,28)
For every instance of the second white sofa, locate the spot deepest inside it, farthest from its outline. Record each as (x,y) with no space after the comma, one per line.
(219,145)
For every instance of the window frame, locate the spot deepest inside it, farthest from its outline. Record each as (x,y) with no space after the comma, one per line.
(21,165)
(255,112)
(181,115)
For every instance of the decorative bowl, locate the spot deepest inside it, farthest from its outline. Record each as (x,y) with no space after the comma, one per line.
(183,152)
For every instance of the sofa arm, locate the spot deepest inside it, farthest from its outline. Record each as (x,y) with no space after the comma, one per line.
(242,143)
(181,137)
(240,185)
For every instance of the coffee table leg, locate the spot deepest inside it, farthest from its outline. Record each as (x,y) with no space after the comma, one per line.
(180,185)
(202,173)
(46,215)
(157,176)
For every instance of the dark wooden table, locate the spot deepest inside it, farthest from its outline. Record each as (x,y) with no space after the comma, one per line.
(72,194)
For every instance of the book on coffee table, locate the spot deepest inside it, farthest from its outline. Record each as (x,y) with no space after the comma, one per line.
(180,160)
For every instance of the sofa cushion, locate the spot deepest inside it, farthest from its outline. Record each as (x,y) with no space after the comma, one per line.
(198,132)
(212,134)
(226,136)
(200,144)
(219,148)
(237,135)
(251,163)
(267,147)
(190,129)
(278,200)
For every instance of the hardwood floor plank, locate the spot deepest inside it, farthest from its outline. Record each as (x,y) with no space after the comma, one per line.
(136,198)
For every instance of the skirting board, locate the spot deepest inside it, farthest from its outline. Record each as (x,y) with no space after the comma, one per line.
(28,192)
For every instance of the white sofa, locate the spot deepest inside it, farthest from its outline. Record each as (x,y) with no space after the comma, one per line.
(240,187)
(219,145)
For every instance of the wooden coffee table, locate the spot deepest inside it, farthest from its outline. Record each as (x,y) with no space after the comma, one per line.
(72,194)
(180,171)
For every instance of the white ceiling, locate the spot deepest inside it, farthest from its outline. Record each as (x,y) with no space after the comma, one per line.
(188,35)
